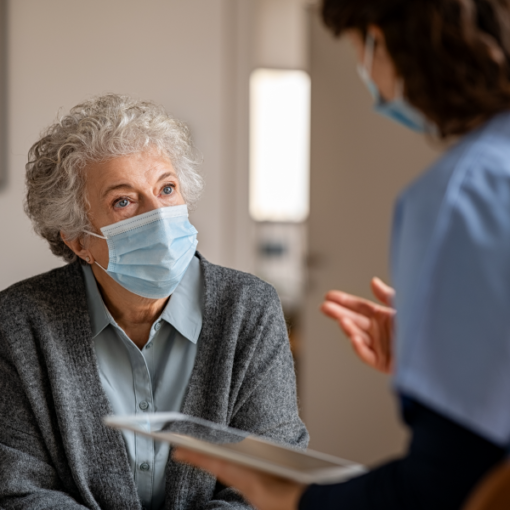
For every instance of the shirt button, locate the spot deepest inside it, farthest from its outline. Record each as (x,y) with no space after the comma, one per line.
(143,405)
(144,466)
(149,345)
(157,326)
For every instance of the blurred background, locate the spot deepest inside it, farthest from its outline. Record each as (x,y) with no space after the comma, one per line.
(301,176)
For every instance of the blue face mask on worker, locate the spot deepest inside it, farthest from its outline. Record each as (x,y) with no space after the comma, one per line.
(149,253)
(397,109)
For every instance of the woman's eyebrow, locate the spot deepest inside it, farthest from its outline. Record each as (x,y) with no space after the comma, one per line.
(114,187)
(166,175)
(129,186)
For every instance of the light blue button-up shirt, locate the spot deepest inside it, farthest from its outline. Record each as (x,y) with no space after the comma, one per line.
(153,379)
(451,270)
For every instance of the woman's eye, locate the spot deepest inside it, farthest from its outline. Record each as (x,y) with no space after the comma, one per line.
(168,190)
(124,202)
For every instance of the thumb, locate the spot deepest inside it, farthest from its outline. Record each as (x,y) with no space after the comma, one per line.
(384,293)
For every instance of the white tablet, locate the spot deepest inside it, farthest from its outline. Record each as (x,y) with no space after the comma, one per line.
(304,466)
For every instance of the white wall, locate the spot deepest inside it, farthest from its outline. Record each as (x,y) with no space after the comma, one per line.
(188,55)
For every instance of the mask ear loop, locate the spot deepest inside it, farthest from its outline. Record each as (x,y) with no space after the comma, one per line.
(100,237)
(365,69)
(369,61)
(95,235)
(369,54)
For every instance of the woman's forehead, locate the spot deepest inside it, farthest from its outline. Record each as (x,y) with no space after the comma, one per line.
(134,168)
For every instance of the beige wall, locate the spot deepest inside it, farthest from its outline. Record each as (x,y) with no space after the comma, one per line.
(359,162)
(281,34)
(190,55)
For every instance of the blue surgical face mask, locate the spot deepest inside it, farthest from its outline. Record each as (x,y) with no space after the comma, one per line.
(149,253)
(397,109)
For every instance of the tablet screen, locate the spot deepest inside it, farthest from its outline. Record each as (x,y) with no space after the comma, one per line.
(236,445)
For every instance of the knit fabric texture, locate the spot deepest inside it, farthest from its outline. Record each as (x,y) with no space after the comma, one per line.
(55,452)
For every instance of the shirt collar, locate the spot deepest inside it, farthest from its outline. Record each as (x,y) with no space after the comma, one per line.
(183,310)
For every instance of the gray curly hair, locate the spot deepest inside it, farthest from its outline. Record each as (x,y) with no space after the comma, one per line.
(103,128)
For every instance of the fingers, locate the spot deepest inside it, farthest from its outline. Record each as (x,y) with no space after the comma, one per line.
(372,353)
(338,312)
(353,303)
(367,324)
(357,329)
(360,343)
(356,334)
(384,293)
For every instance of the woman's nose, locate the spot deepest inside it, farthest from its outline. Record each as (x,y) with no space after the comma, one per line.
(150,203)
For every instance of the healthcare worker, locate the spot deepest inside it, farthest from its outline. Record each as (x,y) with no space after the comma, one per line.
(440,67)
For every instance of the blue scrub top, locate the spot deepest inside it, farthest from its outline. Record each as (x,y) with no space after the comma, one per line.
(451,270)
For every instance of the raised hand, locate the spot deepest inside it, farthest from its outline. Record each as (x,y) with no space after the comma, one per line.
(368,325)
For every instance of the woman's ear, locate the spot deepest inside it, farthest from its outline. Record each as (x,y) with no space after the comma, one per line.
(384,72)
(77,247)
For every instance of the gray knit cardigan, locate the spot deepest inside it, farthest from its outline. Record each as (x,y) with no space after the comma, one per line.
(55,452)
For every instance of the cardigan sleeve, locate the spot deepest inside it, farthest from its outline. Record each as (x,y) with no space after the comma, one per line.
(29,479)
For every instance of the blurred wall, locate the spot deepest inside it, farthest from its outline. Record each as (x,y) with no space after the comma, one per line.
(280,37)
(359,162)
(192,56)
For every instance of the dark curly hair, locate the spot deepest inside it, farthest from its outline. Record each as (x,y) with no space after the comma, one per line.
(453,55)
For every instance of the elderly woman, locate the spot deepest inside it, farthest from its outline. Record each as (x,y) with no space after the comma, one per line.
(136,322)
